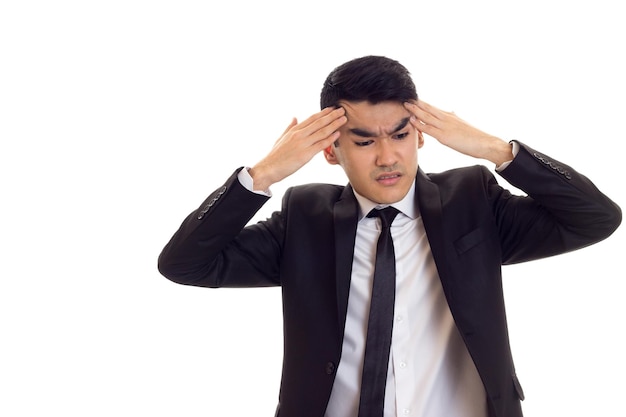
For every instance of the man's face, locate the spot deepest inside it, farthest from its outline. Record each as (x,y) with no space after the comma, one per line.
(377,150)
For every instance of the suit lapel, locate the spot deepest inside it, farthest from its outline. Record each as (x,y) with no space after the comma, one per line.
(429,203)
(345,218)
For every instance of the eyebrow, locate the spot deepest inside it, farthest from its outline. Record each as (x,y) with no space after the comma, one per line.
(367,134)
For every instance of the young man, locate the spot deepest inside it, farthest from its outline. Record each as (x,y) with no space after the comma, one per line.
(447,349)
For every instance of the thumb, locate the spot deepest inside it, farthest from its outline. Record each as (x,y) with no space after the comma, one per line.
(293,123)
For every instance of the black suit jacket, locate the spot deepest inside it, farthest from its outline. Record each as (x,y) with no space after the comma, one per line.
(473,225)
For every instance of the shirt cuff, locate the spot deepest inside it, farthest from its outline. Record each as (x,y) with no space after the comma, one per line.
(515,150)
(246,180)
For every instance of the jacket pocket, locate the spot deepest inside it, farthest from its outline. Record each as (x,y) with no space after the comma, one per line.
(468,241)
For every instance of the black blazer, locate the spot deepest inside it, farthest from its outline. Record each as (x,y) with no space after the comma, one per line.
(473,225)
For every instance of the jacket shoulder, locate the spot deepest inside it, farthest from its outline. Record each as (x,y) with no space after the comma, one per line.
(312,199)
(314,192)
(461,176)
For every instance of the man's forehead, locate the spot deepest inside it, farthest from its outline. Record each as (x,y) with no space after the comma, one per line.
(358,108)
(388,115)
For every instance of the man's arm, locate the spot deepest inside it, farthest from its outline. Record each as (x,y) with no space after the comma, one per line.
(213,247)
(565,211)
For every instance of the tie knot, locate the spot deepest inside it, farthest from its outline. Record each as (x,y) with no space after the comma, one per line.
(386,215)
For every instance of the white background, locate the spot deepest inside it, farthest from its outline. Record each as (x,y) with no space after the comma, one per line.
(117,118)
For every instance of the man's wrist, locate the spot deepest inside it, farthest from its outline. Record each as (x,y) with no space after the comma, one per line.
(261,181)
(500,152)
(246,179)
(514,150)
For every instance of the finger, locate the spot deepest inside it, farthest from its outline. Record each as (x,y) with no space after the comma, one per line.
(423,116)
(432,110)
(329,131)
(422,127)
(430,130)
(415,122)
(326,136)
(334,119)
(322,118)
(319,115)
(411,106)
(325,142)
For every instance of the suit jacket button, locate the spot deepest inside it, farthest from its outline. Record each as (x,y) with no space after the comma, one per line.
(330,368)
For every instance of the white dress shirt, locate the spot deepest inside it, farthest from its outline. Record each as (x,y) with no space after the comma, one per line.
(430,370)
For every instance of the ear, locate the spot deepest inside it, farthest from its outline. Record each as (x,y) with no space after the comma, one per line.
(331,157)
(420,139)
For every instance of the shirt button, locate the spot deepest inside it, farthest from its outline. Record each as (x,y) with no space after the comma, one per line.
(330,368)
(406,411)
(403,364)
(399,319)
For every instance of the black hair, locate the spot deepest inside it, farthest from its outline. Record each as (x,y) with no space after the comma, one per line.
(370,78)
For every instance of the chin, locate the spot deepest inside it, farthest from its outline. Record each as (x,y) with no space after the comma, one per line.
(393,197)
(390,199)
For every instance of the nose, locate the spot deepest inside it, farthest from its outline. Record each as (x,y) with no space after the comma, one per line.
(386,155)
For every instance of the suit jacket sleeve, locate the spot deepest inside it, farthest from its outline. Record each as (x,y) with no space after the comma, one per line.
(564,210)
(196,254)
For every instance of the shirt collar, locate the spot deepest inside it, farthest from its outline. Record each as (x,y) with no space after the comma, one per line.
(407,206)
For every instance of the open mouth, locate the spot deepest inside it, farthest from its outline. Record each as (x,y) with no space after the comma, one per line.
(389,179)
(384,177)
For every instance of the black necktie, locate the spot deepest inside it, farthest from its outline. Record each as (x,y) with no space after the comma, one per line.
(380,324)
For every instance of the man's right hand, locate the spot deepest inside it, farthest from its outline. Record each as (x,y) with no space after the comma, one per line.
(297,146)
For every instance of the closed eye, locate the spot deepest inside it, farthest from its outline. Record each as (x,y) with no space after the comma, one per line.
(364,143)
(401,136)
